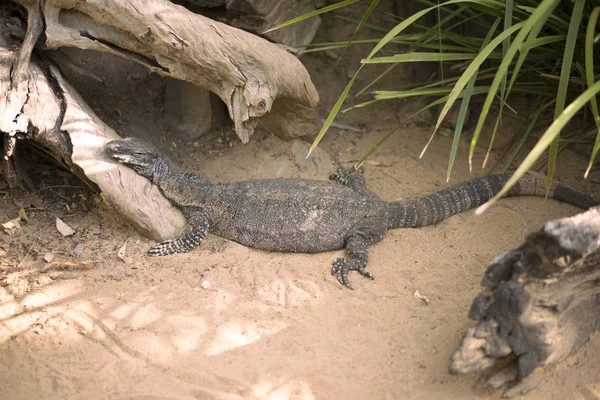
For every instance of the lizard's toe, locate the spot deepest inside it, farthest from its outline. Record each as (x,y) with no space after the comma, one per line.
(336,176)
(365,273)
(340,270)
(342,266)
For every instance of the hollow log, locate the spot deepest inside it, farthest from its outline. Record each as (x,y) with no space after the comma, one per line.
(44,109)
(541,304)
(247,72)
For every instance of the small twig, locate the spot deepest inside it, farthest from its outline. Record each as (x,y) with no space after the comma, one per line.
(28,251)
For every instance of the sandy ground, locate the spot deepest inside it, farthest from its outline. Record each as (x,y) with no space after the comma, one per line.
(269,325)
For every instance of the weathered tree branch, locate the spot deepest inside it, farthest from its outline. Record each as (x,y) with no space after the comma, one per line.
(44,109)
(245,71)
(542,301)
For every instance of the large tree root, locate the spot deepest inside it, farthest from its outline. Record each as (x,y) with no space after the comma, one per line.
(542,303)
(245,71)
(38,105)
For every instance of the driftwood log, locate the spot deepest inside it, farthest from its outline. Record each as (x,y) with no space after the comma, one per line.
(45,110)
(541,304)
(248,73)
(38,104)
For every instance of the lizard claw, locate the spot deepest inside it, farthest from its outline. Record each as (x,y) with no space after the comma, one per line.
(342,266)
(336,176)
(344,176)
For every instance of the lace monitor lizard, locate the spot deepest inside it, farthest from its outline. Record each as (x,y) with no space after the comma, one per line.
(302,215)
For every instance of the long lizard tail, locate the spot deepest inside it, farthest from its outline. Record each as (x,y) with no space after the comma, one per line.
(436,207)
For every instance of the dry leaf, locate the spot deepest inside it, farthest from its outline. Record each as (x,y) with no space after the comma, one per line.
(11,226)
(63,228)
(418,295)
(121,252)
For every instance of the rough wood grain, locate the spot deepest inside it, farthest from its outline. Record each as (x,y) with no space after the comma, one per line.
(247,72)
(541,304)
(75,136)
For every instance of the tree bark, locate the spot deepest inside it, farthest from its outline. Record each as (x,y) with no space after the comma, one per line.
(541,304)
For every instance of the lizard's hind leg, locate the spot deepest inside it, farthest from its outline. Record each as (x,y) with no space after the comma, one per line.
(354,179)
(364,234)
(198,228)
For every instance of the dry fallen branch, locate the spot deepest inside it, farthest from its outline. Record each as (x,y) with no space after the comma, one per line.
(245,71)
(45,110)
(542,301)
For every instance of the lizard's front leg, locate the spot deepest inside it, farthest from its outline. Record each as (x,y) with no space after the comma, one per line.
(198,227)
(354,179)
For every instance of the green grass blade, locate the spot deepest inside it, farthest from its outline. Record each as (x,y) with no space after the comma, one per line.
(365,156)
(376,28)
(472,71)
(361,105)
(385,40)
(333,113)
(531,42)
(465,105)
(563,84)
(589,76)
(545,141)
(442,100)
(313,14)
(366,16)
(420,57)
(538,108)
(407,40)
(410,20)
(560,24)
(532,25)
(508,16)
(400,94)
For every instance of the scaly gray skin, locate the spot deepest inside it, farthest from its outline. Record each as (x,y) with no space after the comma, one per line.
(301,215)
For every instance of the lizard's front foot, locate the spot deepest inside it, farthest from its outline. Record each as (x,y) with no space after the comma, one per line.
(188,241)
(341,267)
(345,176)
(168,247)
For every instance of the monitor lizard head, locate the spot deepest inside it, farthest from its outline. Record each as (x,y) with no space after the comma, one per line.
(136,153)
